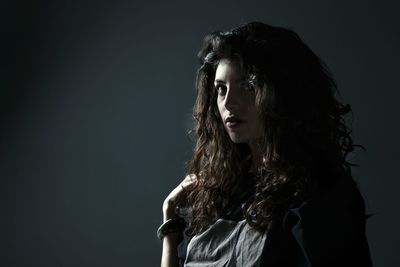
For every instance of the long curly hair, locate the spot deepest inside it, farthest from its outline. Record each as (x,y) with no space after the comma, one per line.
(305,138)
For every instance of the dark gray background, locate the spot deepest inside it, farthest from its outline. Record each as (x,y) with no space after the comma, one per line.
(96,100)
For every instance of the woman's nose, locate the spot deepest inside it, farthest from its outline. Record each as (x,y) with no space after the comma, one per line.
(232,99)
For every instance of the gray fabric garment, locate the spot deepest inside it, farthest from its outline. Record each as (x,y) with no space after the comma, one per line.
(226,243)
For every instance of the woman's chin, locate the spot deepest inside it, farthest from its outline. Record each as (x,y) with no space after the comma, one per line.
(237,140)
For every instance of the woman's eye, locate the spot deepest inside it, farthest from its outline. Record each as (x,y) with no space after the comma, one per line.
(248,87)
(221,89)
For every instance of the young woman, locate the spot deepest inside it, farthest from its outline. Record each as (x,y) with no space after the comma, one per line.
(268,184)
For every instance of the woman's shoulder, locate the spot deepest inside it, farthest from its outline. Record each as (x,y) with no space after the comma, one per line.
(338,205)
(343,193)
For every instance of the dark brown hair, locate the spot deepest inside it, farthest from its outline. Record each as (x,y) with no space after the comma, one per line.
(305,134)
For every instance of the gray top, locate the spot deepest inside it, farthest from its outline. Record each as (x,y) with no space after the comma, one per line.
(226,243)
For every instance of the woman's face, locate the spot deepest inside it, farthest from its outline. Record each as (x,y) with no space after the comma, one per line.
(236,103)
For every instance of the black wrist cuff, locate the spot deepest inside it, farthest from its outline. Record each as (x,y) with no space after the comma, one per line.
(170,226)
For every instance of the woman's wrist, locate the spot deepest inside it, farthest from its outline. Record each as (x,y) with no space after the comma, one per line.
(169,212)
(171,226)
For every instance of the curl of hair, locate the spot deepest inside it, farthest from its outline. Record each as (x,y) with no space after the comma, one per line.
(305,140)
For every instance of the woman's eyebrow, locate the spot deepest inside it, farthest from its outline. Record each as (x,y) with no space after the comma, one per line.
(237,81)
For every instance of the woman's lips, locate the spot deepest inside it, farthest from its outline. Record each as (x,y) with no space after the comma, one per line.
(233,121)
(233,124)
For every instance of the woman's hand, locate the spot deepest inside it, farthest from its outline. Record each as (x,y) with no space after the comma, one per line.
(169,255)
(170,205)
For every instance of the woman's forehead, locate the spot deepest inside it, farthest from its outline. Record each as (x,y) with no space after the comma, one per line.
(228,69)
